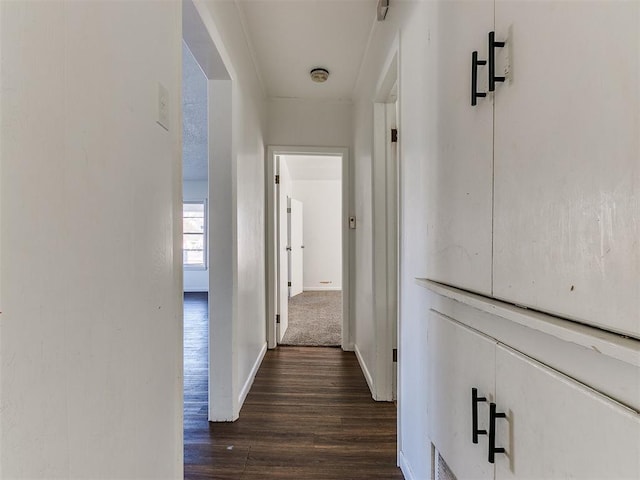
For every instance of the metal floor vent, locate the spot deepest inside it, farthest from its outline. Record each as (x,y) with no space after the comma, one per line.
(442,470)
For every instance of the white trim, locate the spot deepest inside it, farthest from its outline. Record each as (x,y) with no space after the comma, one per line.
(322,289)
(271,254)
(365,371)
(613,345)
(249,382)
(405,467)
(347,236)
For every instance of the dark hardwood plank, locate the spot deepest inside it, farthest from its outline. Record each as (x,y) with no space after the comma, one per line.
(309,415)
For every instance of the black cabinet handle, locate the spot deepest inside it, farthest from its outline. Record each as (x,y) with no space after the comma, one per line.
(493,414)
(492,61)
(474,414)
(474,79)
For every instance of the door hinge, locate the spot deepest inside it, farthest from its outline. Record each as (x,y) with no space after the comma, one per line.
(394,135)
(288,284)
(278,318)
(395,354)
(288,210)
(277,179)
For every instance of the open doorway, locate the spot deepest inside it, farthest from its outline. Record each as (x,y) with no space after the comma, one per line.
(195,192)
(309,194)
(307,257)
(386,218)
(208,224)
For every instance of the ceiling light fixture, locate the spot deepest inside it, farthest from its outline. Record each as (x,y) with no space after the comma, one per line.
(319,75)
(383,8)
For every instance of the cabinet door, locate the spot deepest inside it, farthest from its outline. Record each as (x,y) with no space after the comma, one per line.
(459,359)
(558,428)
(460,172)
(567,160)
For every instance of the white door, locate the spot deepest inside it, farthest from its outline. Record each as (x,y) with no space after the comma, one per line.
(296,245)
(459,359)
(460,198)
(567,169)
(283,257)
(558,428)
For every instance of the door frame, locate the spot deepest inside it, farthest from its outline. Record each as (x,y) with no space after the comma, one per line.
(292,206)
(271,239)
(386,226)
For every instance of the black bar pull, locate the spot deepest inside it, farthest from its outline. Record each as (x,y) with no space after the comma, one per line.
(474,78)
(474,414)
(493,414)
(492,61)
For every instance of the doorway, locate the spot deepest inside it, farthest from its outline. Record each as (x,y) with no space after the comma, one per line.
(307,242)
(385,229)
(208,174)
(195,193)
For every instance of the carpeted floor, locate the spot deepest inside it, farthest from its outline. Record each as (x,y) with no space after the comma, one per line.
(315,319)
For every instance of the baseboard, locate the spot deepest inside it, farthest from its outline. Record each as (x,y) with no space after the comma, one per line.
(348,347)
(322,289)
(249,382)
(365,371)
(405,468)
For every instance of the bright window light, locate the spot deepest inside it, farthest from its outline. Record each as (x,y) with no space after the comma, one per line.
(194,240)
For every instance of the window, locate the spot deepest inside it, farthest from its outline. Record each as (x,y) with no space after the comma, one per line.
(194,239)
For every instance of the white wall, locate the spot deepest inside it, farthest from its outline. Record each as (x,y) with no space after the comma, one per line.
(314,123)
(196,280)
(411,22)
(322,232)
(247,330)
(91,329)
(319,123)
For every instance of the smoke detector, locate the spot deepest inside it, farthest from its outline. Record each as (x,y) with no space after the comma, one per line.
(319,75)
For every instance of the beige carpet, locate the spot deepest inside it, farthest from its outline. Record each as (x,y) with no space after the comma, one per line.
(315,319)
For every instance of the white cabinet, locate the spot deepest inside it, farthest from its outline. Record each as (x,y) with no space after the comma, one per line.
(458,358)
(536,191)
(567,161)
(460,198)
(558,428)
(554,427)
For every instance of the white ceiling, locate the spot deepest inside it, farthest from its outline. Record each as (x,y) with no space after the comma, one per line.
(290,37)
(313,167)
(287,38)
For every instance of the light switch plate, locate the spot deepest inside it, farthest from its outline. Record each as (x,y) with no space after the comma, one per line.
(163,106)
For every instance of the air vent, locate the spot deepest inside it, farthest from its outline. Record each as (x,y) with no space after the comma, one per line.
(442,470)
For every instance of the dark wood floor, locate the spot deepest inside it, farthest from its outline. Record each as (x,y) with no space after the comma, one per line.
(309,415)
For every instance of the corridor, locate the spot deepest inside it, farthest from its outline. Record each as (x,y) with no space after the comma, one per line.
(309,415)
